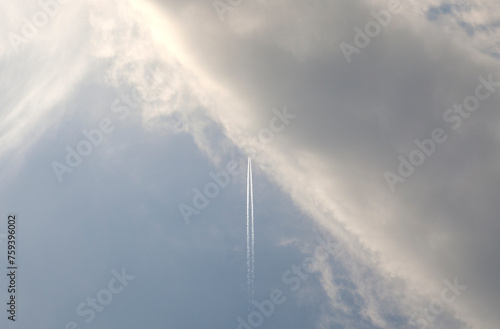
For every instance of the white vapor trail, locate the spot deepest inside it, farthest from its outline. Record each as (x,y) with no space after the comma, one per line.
(249,270)
(250,236)
(252,252)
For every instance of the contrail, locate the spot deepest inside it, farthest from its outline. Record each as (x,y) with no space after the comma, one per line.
(249,268)
(253,231)
(250,235)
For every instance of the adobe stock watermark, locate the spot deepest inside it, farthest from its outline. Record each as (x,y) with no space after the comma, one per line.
(48,9)
(211,190)
(425,316)
(372,29)
(103,298)
(92,138)
(454,116)
(222,7)
(293,278)
(221,179)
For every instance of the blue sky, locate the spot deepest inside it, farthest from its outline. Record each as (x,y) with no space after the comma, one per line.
(383,143)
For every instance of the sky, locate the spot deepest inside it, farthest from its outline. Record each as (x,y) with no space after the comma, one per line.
(373,128)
